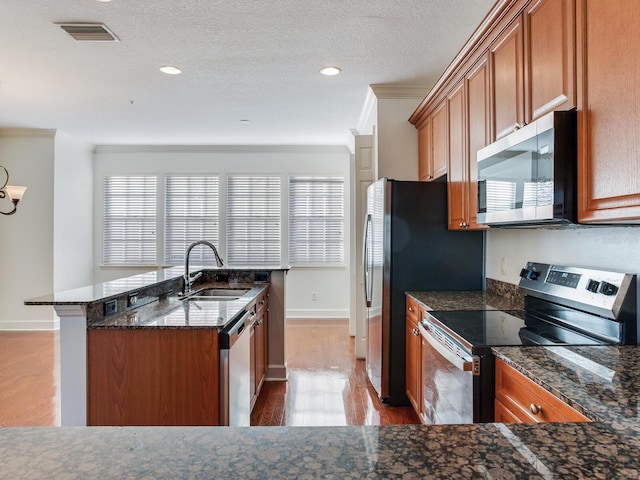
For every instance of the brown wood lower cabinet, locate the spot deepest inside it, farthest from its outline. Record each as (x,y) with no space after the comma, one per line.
(153,377)
(520,400)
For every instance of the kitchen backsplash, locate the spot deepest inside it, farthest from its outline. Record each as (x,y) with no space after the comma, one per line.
(505,290)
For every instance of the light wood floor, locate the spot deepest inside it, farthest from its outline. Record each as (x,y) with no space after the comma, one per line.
(29,378)
(326,386)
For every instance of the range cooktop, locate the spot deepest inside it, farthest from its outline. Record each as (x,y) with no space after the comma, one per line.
(493,328)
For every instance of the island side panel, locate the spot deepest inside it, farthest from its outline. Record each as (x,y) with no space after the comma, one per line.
(277,368)
(148,377)
(73,366)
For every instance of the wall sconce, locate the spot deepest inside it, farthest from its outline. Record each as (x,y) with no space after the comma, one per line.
(14,193)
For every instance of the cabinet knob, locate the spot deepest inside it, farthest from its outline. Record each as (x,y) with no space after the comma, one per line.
(411,309)
(415,332)
(430,177)
(535,409)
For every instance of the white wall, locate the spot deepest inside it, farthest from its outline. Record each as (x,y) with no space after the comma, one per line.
(26,238)
(397,139)
(73,213)
(385,115)
(331,285)
(46,246)
(613,248)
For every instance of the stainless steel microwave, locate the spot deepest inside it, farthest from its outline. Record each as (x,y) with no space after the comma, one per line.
(528,177)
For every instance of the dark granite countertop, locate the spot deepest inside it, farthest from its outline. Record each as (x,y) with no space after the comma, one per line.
(497,451)
(602,380)
(171,312)
(465,300)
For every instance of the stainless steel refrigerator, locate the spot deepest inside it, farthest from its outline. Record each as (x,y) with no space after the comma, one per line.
(407,246)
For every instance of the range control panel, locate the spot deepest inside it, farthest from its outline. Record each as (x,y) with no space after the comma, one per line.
(598,291)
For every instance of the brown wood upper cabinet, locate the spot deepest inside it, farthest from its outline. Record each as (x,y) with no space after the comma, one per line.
(458,173)
(549,46)
(532,65)
(608,39)
(507,84)
(469,109)
(433,144)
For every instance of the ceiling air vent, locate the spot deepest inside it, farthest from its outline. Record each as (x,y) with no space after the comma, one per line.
(89,32)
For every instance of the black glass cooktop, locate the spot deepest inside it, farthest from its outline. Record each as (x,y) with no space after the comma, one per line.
(493,328)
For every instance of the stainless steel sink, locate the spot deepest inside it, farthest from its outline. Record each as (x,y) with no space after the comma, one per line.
(217,294)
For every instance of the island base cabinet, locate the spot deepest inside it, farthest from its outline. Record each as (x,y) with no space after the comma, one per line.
(153,377)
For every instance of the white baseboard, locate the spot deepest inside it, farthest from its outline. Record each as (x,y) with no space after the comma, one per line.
(30,325)
(317,313)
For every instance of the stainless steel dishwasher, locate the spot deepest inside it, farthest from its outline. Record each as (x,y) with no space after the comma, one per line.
(235,372)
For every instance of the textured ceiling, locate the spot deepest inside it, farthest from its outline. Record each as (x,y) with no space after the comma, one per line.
(249,59)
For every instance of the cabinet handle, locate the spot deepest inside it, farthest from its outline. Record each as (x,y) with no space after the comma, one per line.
(464,224)
(535,409)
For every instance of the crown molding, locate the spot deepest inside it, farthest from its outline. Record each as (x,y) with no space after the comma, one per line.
(386,91)
(27,132)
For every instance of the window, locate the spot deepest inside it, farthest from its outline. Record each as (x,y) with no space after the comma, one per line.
(191,214)
(129,223)
(316,221)
(253,220)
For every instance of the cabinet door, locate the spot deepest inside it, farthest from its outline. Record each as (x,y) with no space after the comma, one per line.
(608,39)
(528,401)
(439,141)
(424,151)
(413,363)
(507,83)
(478,133)
(549,45)
(457,182)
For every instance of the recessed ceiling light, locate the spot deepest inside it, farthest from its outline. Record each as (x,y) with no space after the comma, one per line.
(330,71)
(170,70)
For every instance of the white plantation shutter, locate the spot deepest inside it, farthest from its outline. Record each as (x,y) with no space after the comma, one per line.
(316,221)
(253,220)
(129,220)
(191,214)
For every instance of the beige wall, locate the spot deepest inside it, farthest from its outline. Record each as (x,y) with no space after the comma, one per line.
(613,248)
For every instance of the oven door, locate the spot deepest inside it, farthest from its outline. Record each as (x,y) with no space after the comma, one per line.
(451,389)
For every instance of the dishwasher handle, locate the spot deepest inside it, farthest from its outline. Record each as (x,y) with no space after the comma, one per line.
(462,361)
(230,334)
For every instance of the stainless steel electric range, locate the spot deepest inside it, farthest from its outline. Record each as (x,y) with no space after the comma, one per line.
(563,306)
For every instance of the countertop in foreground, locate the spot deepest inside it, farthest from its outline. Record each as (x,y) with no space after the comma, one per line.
(603,380)
(494,451)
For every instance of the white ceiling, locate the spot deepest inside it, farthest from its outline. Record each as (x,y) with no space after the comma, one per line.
(243,59)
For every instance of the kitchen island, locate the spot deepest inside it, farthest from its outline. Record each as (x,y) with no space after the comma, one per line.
(603,449)
(141,319)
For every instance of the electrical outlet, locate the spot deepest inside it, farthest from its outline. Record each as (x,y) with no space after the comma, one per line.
(503,266)
(110,307)
(314,296)
(132,299)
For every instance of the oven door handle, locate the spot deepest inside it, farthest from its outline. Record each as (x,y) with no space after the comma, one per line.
(468,363)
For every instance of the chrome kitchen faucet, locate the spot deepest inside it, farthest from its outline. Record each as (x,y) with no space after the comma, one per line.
(188,279)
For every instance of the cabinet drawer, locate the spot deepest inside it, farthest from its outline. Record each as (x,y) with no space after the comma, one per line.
(528,401)
(413,309)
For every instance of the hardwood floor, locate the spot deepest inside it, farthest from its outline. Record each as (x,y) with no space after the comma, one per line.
(326,386)
(29,379)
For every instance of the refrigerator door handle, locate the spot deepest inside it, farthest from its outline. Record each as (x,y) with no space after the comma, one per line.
(367,272)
